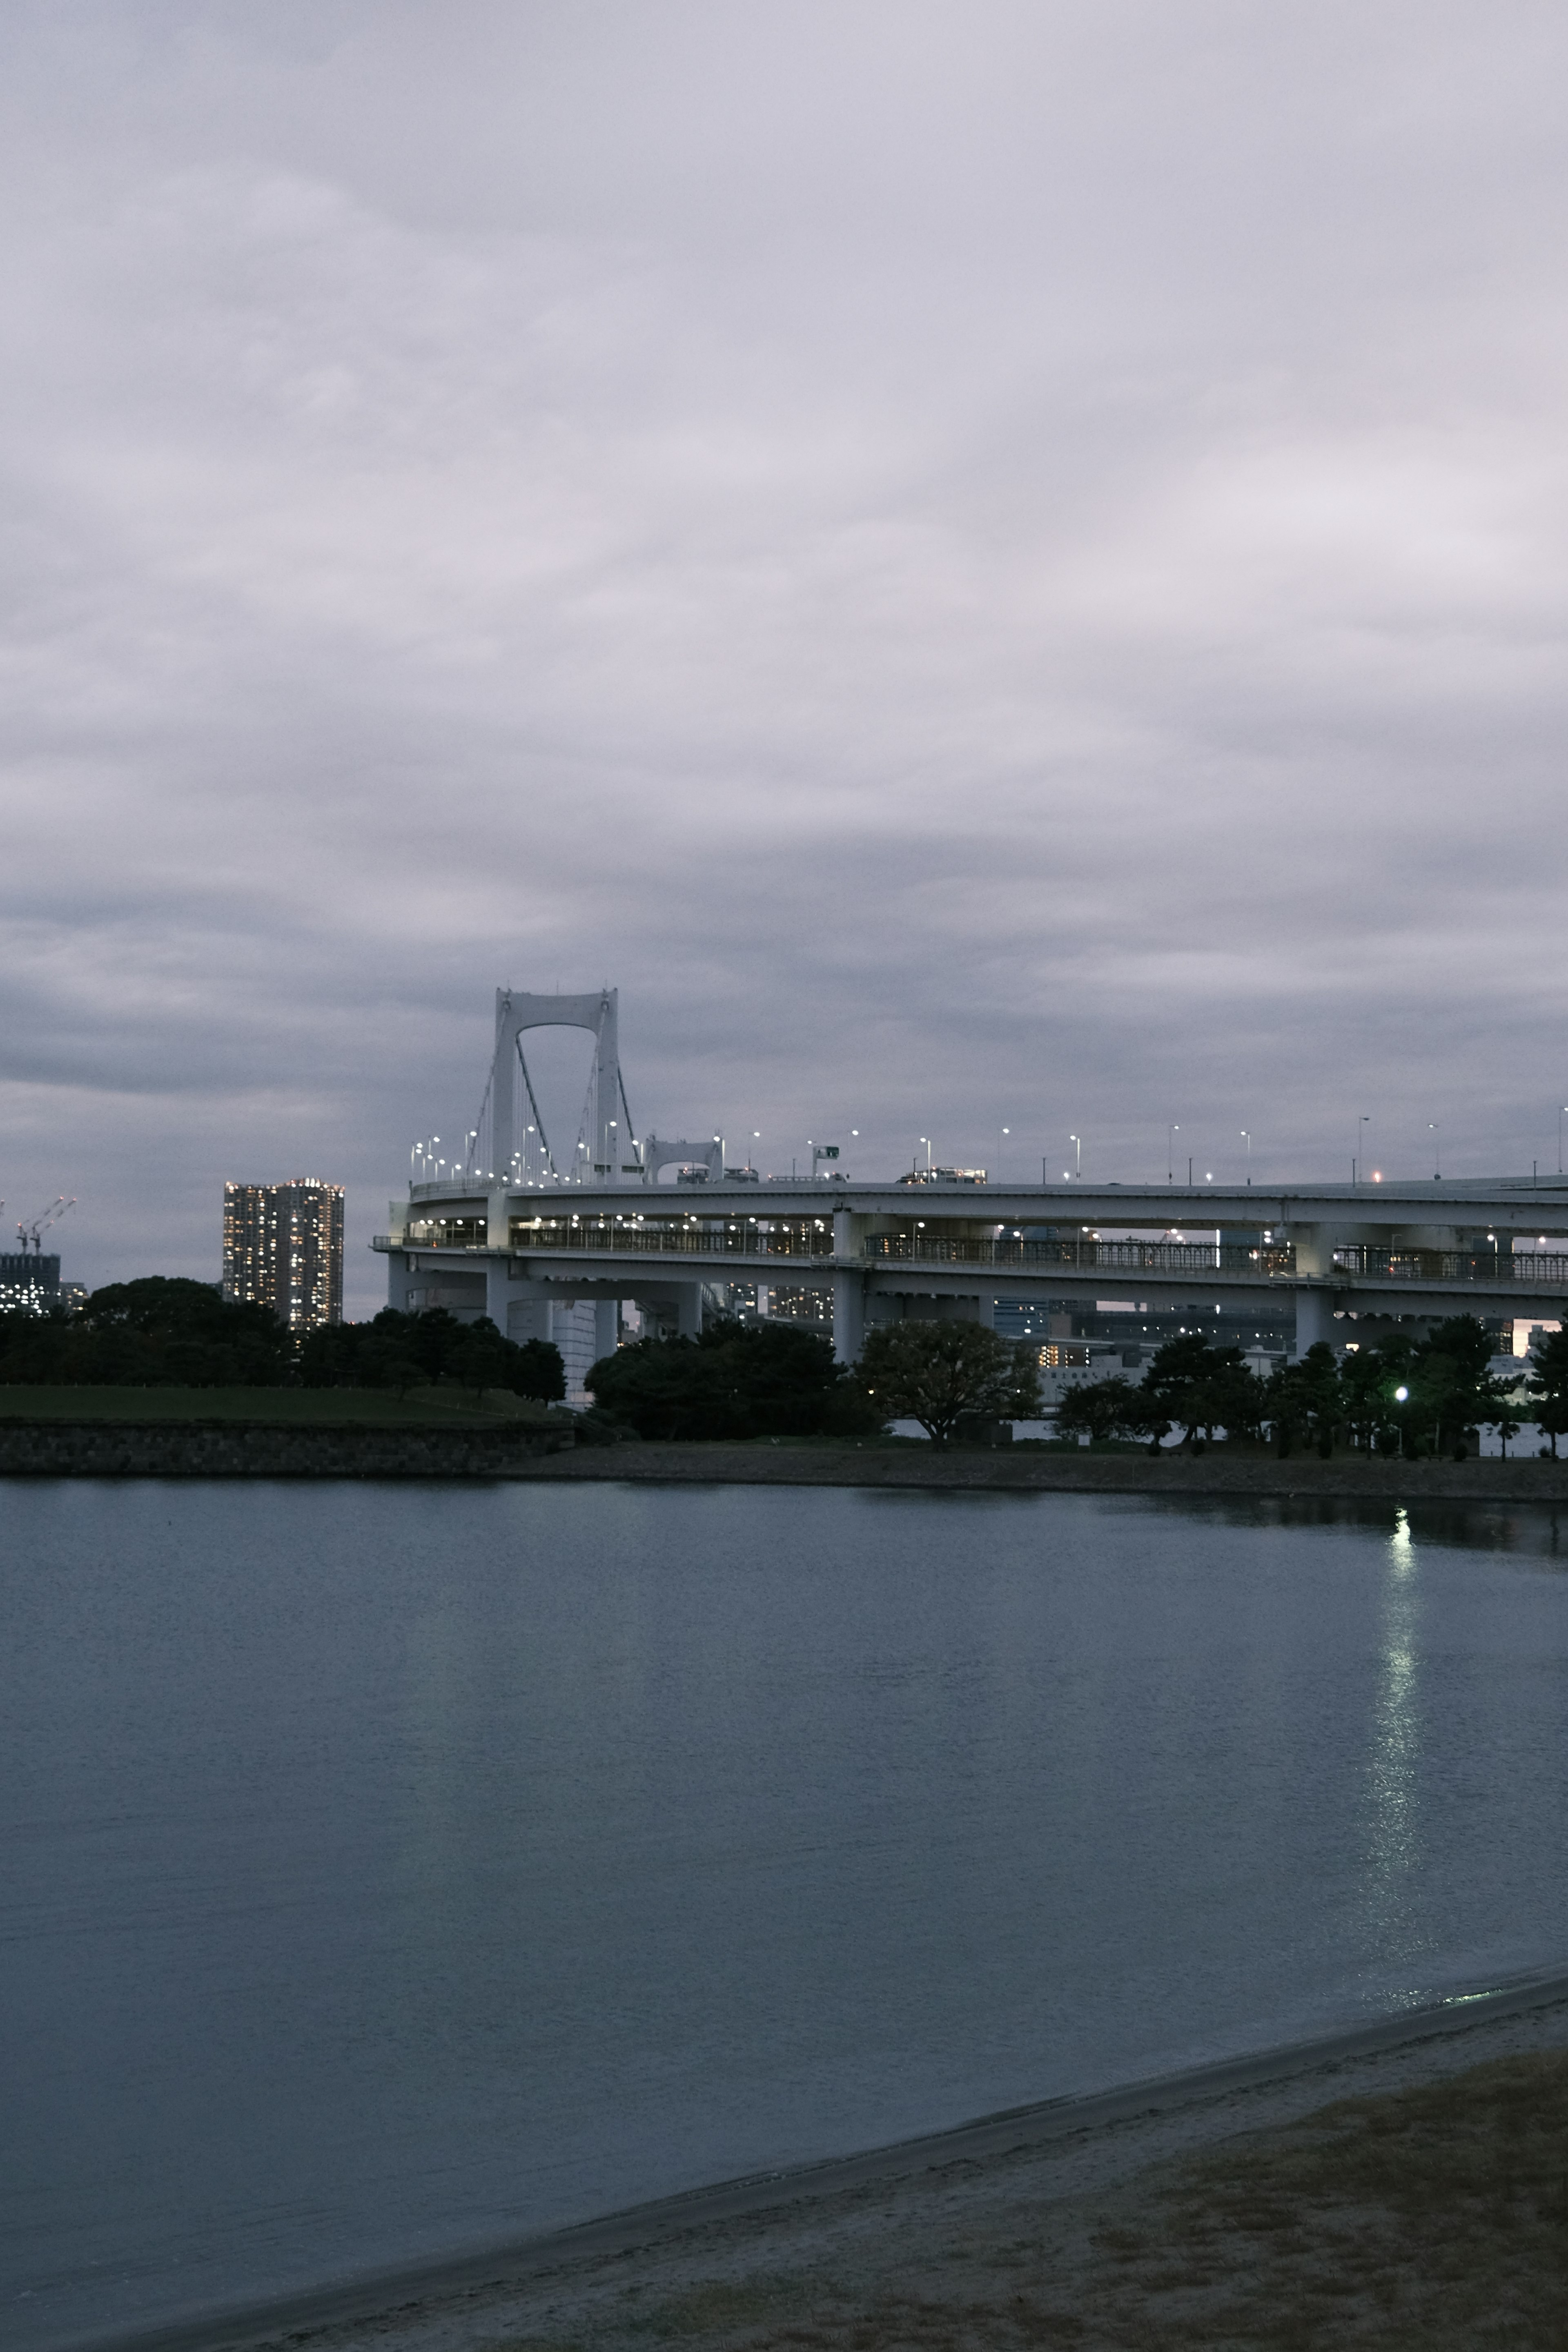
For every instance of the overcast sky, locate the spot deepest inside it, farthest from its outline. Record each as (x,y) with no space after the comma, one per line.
(987,566)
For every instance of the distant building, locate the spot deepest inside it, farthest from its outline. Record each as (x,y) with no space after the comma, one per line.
(283,1248)
(30,1284)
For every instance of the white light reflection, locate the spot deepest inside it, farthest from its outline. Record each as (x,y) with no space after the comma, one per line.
(1393,1812)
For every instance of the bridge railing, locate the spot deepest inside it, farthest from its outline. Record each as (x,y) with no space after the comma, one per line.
(1085,1255)
(748,1237)
(1543,1272)
(811,1240)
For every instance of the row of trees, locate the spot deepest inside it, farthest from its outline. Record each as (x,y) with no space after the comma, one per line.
(739,1379)
(159,1332)
(776,1380)
(404,1351)
(779,1380)
(1402,1397)
(166,1332)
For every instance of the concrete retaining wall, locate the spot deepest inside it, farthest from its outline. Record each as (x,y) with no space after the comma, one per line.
(109,1449)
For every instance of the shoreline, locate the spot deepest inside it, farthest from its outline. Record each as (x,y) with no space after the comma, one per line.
(463,1453)
(1082,2141)
(1007,1469)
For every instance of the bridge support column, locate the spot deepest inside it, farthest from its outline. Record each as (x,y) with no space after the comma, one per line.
(606,1326)
(688,1309)
(849,1313)
(1314,1318)
(848,1286)
(499,1290)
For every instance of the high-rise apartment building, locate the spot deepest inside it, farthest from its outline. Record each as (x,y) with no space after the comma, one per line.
(283,1248)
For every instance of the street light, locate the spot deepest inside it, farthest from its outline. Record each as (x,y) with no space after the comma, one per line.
(1364,1121)
(1077,1142)
(1172,1133)
(1432,1127)
(1248,1141)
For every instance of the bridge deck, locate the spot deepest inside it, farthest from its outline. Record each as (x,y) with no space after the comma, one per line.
(604,1253)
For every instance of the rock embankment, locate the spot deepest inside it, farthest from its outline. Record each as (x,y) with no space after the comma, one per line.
(218,1449)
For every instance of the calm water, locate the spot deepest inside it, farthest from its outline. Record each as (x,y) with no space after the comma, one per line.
(391,1870)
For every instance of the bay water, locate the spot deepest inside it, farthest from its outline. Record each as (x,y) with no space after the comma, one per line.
(387,1871)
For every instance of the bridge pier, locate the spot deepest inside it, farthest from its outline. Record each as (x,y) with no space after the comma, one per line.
(849,1315)
(848,1286)
(1314,1318)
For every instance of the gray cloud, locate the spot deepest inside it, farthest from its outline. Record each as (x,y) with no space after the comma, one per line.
(988,566)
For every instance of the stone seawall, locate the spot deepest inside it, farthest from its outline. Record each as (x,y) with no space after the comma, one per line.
(216,1449)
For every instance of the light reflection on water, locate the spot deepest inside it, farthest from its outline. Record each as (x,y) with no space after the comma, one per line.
(392,1870)
(1394,1754)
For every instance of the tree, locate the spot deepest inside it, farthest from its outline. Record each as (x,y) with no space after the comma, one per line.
(1549,1383)
(1507,1415)
(477,1360)
(1305,1401)
(737,1380)
(934,1373)
(1450,1387)
(1370,1379)
(667,1389)
(535,1369)
(1228,1396)
(156,1331)
(1101,1409)
(382,1363)
(1203,1387)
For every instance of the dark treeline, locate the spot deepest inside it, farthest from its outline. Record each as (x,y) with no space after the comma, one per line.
(777,1380)
(739,1379)
(1404,1396)
(164,1332)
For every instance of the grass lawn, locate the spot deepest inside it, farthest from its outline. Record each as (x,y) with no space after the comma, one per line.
(367,1407)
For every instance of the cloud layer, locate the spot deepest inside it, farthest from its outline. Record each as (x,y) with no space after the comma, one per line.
(1001,566)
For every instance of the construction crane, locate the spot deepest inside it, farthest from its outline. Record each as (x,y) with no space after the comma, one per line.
(32,1235)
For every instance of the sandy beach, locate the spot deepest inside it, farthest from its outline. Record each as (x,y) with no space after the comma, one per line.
(1401,2185)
